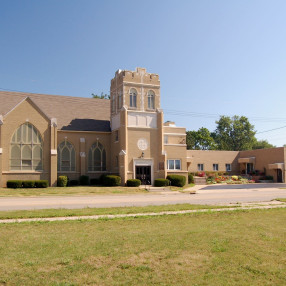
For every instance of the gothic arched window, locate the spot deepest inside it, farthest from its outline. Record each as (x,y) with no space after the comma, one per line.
(97,158)
(26,152)
(133,97)
(151,99)
(66,157)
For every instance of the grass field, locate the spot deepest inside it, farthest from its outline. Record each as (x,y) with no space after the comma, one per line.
(82,190)
(237,248)
(101,211)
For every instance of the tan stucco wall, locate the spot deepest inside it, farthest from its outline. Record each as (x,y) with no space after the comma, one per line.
(82,162)
(25,112)
(210,157)
(263,157)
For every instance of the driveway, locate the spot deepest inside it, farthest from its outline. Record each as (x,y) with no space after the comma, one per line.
(208,195)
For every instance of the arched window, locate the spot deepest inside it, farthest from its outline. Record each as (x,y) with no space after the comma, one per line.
(133,97)
(66,157)
(151,99)
(97,158)
(26,149)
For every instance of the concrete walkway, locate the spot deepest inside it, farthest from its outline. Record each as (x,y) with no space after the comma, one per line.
(97,217)
(205,195)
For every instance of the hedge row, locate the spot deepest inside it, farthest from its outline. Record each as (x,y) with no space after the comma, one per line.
(106,180)
(16,184)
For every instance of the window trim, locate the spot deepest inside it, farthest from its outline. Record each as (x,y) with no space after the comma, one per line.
(70,149)
(228,170)
(151,99)
(133,97)
(21,144)
(91,167)
(200,167)
(174,164)
(215,167)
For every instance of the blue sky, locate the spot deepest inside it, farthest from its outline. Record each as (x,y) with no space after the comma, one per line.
(213,57)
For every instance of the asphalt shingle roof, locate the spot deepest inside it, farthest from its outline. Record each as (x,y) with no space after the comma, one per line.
(72,113)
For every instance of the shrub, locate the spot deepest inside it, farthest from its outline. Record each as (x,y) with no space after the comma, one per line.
(62,181)
(269,178)
(28,184)
(74,182)
(41,184)
(101,179)
(112,180)
(190,178)
(161,182)
(84,180)
(14,184)
(133,183)
(95,181)
(177,180)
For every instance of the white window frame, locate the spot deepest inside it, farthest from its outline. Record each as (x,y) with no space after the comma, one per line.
(226,167)
(174,161)
(200,167)
(215,167)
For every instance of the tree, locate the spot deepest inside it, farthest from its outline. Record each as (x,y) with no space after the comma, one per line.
(200,140)
(234,133)
(101,96)
(262,144)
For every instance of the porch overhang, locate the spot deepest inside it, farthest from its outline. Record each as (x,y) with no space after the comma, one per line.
(276,166)
(246,160)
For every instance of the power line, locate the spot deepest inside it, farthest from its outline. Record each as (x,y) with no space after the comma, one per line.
(205,115)
(212,115)
(271,130)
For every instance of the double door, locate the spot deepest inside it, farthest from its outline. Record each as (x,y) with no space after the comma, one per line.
(143,173)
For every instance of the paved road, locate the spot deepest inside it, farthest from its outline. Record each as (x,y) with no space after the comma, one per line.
(215,194)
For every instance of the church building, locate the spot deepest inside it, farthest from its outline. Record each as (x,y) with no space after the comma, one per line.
(45,136)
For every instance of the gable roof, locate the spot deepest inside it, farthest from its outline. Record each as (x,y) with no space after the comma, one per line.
(72,113)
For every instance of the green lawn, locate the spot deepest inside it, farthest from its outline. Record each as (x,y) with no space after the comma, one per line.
(282,200)
(229,248)
(101,211)
(82,190)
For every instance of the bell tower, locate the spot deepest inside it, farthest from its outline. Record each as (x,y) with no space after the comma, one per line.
(137,123)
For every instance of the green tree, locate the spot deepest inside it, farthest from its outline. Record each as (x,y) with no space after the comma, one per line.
(200,140)
(101,96)
(262,144)
(234,133)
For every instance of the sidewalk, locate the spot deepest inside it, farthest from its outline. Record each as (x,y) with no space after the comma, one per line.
(267,205)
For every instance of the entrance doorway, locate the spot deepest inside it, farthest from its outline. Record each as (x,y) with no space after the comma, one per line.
(143,173)
(279,176)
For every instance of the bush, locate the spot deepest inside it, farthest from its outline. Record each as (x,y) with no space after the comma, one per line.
(28,184)
(74,182)
(161,182)
(177,180)
(101,179)
(133,183)
(14,184)
(112,180)
(270,178)
(190,178)
(62,181)
(41,184)
(84,180)
(95,181)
